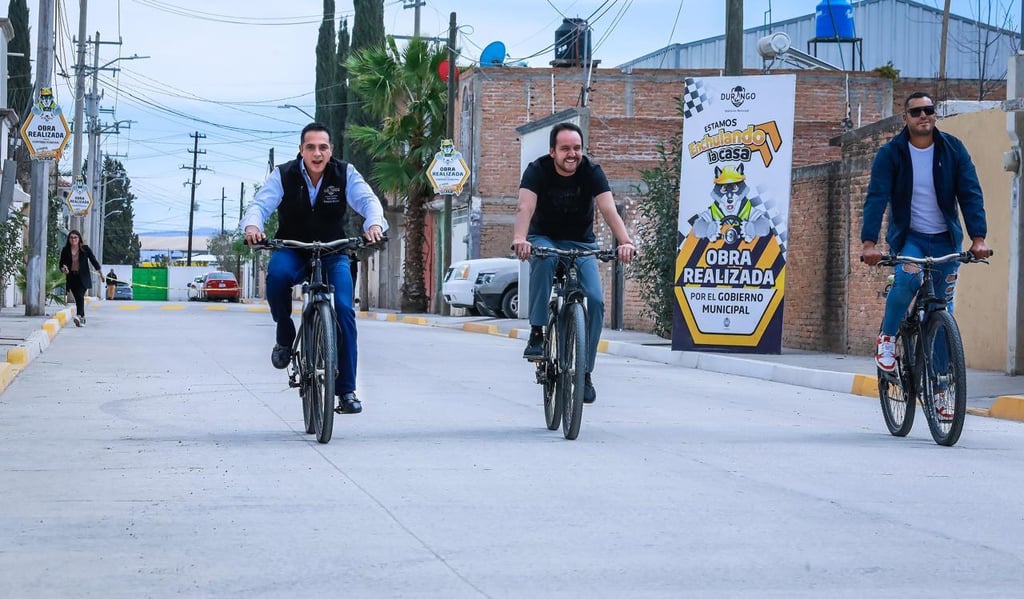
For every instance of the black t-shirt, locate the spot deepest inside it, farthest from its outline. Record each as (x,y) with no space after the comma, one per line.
(565,205)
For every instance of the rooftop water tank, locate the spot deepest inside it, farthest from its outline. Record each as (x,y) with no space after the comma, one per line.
(572,42)
(834,19)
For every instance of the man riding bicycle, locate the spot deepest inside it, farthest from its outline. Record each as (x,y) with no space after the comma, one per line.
(311,195)
(557,197)
(922,176)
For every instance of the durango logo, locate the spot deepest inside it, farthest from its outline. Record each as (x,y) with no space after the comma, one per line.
(738,95)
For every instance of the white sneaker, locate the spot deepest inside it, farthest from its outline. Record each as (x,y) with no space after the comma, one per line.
(78,321)
(944,406)
(83,321)
(885,355)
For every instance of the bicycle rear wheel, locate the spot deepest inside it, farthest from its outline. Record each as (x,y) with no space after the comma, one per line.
(945,378)
(325,365)
(574,369)
(897,391)
(549,366)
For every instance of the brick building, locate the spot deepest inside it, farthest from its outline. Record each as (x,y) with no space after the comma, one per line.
(626,116)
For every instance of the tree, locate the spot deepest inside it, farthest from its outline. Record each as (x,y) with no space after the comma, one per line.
(121,244)
(12,250)
(339,97)
(326,58)
(402,89)
(658,233)
(19,77)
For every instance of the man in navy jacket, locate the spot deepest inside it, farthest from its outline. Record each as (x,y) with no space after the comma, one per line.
(926,179)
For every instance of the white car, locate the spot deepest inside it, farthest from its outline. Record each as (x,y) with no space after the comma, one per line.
(461,277)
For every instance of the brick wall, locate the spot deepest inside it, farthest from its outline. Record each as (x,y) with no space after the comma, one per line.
(832,300)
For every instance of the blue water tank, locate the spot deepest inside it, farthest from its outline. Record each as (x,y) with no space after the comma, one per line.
(834,19)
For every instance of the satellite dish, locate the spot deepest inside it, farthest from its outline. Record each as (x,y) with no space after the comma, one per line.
(493,55)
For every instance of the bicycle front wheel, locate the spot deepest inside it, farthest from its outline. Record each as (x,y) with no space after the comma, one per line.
(549,372)
(574,369)
(325,365)
(302,361)
(945,378)
(896,390)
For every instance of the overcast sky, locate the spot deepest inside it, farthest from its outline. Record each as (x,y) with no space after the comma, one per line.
(223,69)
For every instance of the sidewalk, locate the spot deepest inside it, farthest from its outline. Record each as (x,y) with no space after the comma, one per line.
(989,393)
(995,394)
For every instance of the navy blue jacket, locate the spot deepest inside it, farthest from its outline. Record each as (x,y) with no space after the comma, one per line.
(892,183)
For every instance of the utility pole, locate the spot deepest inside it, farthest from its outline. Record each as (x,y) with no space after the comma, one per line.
(733,37)
(415,4)
(97,214)
(192,204)
(241,202)
(942,53)
(446,252)
(39,204)
(222,198)
(76,155)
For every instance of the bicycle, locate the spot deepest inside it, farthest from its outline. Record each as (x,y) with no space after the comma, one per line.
(562,369)
(314,361)
(930,365)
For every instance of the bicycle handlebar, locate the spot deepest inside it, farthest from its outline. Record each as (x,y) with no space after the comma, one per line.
(348,243)
(602,255)
(964,257)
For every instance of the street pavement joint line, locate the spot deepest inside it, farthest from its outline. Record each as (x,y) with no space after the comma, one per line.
(395,518)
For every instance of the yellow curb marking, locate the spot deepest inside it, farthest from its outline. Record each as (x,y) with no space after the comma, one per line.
(602,346)
(865,385)
(216,308)
(258,309)
(51,327)
(392,317)
(1009,407)
(476,327)
(7,374)
(129,307)
(62,317)
(414,320)
(172,308)
(18,355)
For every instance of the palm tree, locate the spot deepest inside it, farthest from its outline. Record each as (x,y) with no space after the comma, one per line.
(403,90)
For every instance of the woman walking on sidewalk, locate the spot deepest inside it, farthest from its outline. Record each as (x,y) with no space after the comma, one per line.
(74,263)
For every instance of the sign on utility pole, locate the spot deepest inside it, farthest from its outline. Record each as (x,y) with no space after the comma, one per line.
(45,131)
(80,199)
(448,172)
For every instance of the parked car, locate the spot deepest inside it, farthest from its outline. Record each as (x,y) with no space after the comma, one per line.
(195,289)
(122,291)
(457,287)
(496,290)
(220,286)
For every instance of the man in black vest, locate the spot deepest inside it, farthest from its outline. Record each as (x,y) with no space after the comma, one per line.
(311,195)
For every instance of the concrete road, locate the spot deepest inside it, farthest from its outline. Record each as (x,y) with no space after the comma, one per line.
(156,453)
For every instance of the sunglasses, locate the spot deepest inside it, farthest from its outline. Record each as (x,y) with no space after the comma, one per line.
(916,112)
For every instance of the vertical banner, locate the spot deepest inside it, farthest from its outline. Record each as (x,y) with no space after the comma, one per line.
(733,210)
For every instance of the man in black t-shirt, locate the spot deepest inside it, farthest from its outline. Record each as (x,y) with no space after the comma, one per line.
(557,197)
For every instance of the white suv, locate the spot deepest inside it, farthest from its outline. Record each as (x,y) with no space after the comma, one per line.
(457,287)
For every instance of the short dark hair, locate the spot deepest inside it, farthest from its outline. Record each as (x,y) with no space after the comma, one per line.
(563,127)
(314,126)
(915,96)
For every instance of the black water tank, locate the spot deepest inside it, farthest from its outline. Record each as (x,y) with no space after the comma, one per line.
(572,41)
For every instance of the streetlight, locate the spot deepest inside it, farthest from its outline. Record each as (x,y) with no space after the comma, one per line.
(299,109)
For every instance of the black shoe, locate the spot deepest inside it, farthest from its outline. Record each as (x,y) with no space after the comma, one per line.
(280,356)
(534,347)
(348,404)
(589,393)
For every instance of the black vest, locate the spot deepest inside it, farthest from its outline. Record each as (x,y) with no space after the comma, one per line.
(325,219)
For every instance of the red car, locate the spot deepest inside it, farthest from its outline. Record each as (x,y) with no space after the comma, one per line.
(220,286)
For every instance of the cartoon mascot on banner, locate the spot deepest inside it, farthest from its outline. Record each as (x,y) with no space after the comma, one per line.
(734,214)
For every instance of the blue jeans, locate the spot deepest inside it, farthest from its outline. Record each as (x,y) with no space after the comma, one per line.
(542,274)
(906,284)
(288,268)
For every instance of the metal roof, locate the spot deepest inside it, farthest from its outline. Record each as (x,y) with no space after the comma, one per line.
(903,32)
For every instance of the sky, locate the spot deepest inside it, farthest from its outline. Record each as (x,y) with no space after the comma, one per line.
(225,70)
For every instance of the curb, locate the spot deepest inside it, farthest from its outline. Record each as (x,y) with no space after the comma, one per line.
(1008,407)
(20,355)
